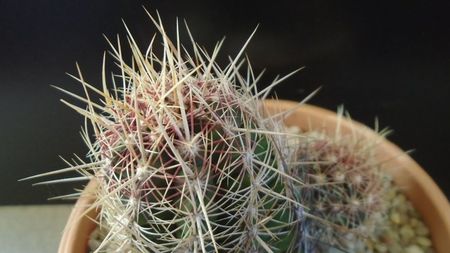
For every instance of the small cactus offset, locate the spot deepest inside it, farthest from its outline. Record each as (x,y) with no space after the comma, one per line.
(187,159)
(346,189)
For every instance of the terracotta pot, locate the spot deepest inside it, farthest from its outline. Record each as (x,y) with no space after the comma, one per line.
(425,195)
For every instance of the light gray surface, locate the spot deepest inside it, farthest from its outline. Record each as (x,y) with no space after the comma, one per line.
(36,229)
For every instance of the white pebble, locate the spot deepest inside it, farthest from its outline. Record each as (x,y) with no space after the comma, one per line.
(414,249)
(423,241)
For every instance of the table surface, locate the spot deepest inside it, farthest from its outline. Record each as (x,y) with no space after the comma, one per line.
(36,228)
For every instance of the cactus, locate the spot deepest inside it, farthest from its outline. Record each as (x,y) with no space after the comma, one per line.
(346,189)
(184,158)
(187,160)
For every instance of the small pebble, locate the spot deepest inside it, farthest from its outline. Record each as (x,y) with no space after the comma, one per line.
(395,248)
(414,249)
(399,200)
(414,222)
(395,217)
(423,241)
(422,230)
(406,232)
(381,248)
(390,195)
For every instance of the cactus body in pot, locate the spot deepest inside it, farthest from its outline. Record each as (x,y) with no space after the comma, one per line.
(187,160)
(184,158)
(346,189)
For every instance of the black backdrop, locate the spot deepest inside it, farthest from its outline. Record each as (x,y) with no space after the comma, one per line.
(381,59)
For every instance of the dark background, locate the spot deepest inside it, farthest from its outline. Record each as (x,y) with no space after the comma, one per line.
(389,60)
